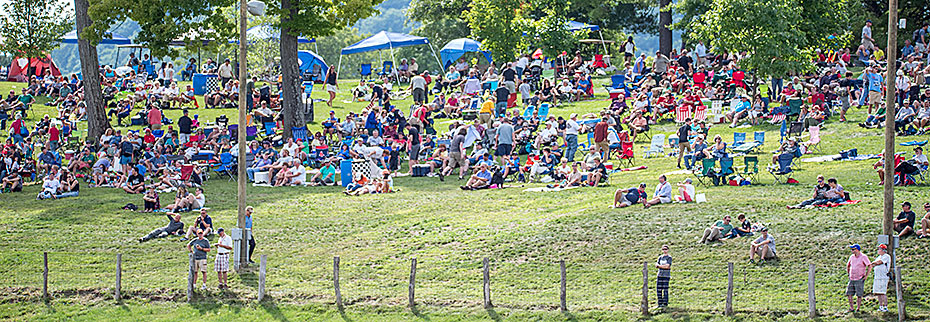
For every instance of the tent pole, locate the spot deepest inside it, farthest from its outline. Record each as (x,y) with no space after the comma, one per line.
(602,42)
(394,66)
(316,48)
(116,61)
(338,67)
(433,51)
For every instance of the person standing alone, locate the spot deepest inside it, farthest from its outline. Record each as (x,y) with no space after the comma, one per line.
(664,264)
(221,266)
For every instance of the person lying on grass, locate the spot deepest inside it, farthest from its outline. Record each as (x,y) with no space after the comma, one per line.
(174,227)
(383,185)
(630,196)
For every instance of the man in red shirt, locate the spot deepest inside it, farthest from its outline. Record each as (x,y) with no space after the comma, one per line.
(154,118)
(54,136)
(600,137)
(17,127)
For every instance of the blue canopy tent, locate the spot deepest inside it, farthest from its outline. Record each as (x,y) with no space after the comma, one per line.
(306,62)
(72,38)
(573,26)
(457,47)
(385,40)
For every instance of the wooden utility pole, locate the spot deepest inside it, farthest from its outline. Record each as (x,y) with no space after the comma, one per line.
(892,55)
(243,251)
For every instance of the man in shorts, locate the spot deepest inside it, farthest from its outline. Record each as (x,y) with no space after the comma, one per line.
(882,266)
(764,246)
(663,193)
(413,148)
(505,140)
(628,197)
(221,265)
(200,247)
(875,83)
(457,155)
(858,267)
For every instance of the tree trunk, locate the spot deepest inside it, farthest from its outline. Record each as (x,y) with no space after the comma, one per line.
(291,103)
(665,20)
(97,122)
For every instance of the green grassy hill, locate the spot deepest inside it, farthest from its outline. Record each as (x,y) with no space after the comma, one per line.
(449,231)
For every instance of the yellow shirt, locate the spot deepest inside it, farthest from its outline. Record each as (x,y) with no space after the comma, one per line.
(487,107)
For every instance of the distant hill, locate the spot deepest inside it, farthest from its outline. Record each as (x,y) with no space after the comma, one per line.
(392,18)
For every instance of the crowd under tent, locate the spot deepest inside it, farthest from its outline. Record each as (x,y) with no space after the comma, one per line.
(458,47)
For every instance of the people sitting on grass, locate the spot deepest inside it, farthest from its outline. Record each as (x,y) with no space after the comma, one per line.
(717,231)
(480,179)
(818,197)
(629,196)
(325,176)
(762,247)
(134,183)
(744,228)
(663,193)
(174,227)
(384,184)
(185,201)
(685,191)
(904,223)
(203,225)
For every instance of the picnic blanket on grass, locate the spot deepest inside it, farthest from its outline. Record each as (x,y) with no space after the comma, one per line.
(848,202)
(547,189)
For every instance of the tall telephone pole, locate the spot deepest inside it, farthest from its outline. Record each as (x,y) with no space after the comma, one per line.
(892,55)
(243,252)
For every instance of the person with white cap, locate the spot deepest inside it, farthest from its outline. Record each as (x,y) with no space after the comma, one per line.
(882,267)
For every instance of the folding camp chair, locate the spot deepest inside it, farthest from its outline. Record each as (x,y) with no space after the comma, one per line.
(528,112)
(759,136)
(726,167)
(158,133)
(387,69)
(625,153)
(700,112)
(682,113)
(251,132)
(813,144)
(656,147)
(795,129)
(365,71)
(752,168)
(299,133)
(617,87)
(740,145)
(543,112)
(739,138)
(706,173)
(782,170)
(227,165)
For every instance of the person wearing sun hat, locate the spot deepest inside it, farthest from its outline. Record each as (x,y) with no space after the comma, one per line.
(858,267)
(882,267)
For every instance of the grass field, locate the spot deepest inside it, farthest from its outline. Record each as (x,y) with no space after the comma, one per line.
(449,231)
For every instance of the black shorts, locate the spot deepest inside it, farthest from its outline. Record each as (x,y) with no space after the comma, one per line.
(503,149)
(419,95)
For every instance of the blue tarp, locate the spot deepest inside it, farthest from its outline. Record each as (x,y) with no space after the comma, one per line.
(71,38)
(458,47)
(575,26)
(268,32)
(384,40)
(307,59)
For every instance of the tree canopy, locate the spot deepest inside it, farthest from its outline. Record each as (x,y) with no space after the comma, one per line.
(32,28)
(778,35)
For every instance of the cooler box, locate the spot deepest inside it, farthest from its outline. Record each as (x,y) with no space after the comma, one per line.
(345,168)
(261,177)
(420,170)
(200,83)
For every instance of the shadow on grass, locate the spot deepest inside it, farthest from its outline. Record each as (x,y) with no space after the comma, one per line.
(342,313)
(270,306)
(493,314)
(416,312)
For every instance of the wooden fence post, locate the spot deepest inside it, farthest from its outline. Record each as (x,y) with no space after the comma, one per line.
(261,277)
(119,276)
(487,284)
(562,305)
(811,298)
(190,277)
(729,307)
(644,307)
(45,276)
(413,280)
(336,282)
(899,293)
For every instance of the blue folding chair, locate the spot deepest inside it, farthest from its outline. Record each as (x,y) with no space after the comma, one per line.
(738,139)
(528,112)
(759,136)
(543,111)
(365,71)
(226,166)
(158,133)
(299,133)
(387,68)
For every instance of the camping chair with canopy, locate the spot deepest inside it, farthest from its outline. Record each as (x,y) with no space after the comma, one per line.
(574,26)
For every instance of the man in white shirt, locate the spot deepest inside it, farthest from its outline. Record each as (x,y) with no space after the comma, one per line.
(881,266)
(225,72)
(867,40)
(418,89)
(298,174)
(663,193)
(221,265)
(700,53)
(571,136)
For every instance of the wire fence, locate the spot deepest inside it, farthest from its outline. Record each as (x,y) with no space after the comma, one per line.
(773,287)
